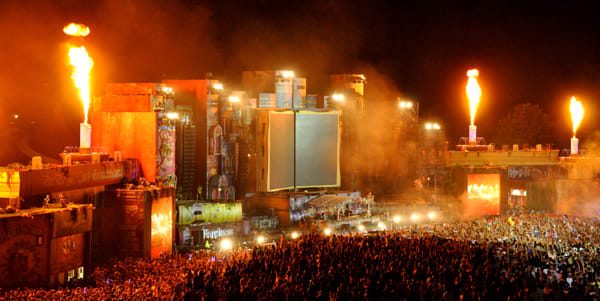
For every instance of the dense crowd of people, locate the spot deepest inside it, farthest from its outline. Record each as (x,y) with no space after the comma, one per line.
(526,257)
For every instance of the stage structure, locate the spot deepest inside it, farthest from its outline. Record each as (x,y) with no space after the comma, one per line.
(137,119)
(136,222)
(490,181)
(297,149)
(46,217)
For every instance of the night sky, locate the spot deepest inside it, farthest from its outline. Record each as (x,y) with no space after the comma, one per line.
(540,53)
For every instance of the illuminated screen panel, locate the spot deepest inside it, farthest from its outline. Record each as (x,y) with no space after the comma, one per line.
(162,226)
(209,213)
(10,183)
(483,193)
(317,149)
(281,150)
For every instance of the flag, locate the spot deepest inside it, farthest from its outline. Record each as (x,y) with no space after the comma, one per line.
(512,223)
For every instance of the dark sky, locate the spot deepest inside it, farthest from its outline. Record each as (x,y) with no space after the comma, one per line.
(541,53)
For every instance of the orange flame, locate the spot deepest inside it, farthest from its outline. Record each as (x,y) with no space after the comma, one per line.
(77,30)
(473,92)
(82,64)
(576,114)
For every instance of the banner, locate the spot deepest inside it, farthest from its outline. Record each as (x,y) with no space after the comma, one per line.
(209,213)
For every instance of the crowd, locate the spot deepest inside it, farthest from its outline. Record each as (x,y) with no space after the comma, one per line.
(525,257)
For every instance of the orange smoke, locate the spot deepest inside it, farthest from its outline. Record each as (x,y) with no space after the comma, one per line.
(473,92)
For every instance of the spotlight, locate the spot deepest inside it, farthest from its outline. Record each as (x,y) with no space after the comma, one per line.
(396,219)
(226,244)
(172,115)
(295,235)
(260,239)
(405,104)
(327,231)
(338,97)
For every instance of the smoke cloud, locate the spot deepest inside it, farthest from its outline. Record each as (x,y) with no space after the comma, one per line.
(130,41)
(579,194)
(423,49)
(147,41)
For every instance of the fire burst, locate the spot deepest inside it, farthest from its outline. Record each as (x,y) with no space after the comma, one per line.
(82,64)
(76,30)
(473,92)
(576,114)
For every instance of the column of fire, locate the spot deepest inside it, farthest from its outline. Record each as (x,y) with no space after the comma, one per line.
(474,93)
(82,64)
(576,117)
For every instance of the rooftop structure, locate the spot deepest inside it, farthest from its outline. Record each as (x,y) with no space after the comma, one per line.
(500,158)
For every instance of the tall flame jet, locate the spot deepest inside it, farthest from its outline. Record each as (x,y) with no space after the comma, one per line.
(473,92)
(576,117)
(576,114)
(82,64)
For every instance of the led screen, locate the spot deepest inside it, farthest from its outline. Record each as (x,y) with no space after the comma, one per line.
(298,149)
(209,213)
(281,151)
(483,194)
(317,149)
(10,183)
(162,226)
